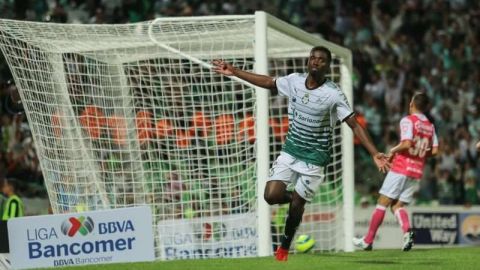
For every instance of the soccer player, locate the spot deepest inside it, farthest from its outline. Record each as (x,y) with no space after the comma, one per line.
(417,141)
(315,105)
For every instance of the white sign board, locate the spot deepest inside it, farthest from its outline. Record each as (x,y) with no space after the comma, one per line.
(210,237)
(389,234)
(109,236)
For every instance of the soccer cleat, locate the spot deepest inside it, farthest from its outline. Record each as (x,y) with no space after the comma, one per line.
(359,242)
(281,254)
(408,238)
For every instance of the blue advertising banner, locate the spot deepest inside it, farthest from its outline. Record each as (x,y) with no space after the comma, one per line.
(435,228)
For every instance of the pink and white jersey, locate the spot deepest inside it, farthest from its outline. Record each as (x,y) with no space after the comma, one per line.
(417,129)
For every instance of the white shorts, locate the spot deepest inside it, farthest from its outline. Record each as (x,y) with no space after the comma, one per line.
(399,186)
(305,176)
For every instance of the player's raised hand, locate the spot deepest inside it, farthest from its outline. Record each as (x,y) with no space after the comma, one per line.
(382,162)
(222,67)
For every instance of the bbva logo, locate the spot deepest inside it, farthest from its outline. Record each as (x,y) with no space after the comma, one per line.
(82,225)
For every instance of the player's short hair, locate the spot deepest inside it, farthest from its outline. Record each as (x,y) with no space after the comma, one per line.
(421,101)
(323,49)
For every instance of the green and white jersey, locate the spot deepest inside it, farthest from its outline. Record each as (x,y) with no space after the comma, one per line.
(312,115)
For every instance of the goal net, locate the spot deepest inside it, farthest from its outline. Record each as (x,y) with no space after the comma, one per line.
(126,115)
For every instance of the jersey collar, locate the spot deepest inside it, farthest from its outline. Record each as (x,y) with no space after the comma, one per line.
(324,81)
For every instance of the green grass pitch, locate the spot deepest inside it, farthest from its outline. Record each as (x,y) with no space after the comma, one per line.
(416,259)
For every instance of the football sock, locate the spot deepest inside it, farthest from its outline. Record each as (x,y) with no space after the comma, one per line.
(402,217)
(375,222)
(291,224)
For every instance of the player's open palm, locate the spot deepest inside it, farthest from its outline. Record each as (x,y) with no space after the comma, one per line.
(382,162)
(222,67)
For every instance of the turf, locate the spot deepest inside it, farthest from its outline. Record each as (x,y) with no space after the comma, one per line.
(416,259)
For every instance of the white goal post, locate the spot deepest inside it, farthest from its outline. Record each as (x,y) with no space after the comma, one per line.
(132,114)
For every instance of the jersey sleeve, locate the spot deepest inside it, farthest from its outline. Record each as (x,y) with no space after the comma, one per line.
(343,107)
(284,85)
(406,129)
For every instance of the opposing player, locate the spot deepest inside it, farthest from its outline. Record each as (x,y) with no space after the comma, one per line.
(315,105)
(417,141)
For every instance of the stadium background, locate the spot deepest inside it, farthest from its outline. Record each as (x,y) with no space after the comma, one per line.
(430,46)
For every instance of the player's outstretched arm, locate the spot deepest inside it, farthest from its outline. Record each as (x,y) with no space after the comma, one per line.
(380,159)
(227,69)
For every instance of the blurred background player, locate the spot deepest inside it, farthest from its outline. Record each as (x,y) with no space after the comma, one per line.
(315,106)
(13,205)
(417,141)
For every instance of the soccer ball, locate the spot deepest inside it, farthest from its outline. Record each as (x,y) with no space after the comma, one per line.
(304,243)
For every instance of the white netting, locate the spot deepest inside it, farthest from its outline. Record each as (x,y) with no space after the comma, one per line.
(120,121)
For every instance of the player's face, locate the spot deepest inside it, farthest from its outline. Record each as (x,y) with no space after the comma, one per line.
(318,62)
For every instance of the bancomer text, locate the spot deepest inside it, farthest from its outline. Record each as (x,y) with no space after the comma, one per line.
(36,250)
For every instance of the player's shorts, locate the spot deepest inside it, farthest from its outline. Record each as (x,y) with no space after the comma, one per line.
(305,176)
(399,186)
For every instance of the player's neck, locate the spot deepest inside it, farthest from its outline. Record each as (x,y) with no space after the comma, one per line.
(314,82)
(415,111)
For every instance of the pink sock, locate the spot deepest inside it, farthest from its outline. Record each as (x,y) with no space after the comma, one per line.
(402,217)
(375,222)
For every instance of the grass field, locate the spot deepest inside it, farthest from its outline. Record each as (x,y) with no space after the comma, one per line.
(417,259)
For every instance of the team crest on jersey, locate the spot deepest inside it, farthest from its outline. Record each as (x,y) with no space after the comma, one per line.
(305,98)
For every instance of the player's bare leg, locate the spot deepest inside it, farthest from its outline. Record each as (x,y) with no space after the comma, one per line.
(295,214)
(276,193)
(398,208)
(375,222)
(384,201)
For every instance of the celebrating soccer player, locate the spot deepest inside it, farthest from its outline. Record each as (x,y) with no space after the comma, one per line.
(417,141)
(315,105)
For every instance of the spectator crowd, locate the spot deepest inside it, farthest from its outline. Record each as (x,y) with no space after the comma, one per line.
(398,48)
